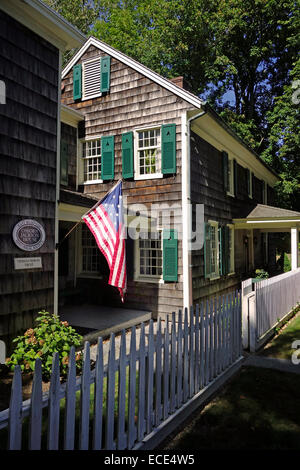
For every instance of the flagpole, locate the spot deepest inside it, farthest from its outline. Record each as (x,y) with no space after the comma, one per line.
(98,202)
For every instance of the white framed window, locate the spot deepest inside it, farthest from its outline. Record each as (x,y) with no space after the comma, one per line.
(91,78)
(231,267)
(91,159)
(230,177)
(214,249)
(149,257)
(90,253)
(148,153)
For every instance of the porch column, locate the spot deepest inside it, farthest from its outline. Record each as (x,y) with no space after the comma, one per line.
(294,247)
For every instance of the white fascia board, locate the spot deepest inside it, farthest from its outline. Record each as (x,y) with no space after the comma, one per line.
(70,116)
(44,21)
(165,83)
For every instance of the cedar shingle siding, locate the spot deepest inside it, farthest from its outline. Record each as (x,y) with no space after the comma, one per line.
(29,67)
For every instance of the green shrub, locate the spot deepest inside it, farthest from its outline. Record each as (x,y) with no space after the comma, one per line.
(261,274)
(51,335)
(286,263)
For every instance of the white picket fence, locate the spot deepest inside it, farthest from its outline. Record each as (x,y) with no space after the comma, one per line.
(265,304)
(141,394)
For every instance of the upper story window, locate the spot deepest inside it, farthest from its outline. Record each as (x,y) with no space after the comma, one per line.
(91,78)
(148,155)
(91,154)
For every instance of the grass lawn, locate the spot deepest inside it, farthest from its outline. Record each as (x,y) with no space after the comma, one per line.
(258,409)
(280,346)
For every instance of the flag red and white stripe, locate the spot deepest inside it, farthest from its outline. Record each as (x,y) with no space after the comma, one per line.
(106,222)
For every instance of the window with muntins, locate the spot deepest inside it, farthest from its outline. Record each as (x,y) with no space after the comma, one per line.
(91,160)
(150,256)
(148,153)
(90,252)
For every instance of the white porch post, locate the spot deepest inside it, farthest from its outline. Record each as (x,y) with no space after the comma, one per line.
(294,247)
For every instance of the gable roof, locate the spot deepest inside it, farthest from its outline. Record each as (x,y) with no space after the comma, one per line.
(164,82)
(262,211)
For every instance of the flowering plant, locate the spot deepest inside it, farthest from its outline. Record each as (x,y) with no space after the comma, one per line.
(51,335)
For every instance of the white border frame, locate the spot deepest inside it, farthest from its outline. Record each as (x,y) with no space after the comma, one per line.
(137,176)
(97,95)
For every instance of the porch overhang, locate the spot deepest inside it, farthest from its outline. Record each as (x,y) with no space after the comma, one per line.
(274,219)
(269,219)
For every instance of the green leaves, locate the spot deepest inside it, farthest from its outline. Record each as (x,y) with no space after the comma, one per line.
(42,342)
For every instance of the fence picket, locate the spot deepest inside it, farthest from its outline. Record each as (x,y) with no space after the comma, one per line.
(54,402)
(197,364)
(158,374)
(132,390)
(35,426)
(142,373)
(98,397)
(15,412)
(191,353)
(173,366)
(150,377)
(185,356)
(206,332)
(110,399)
(121,440)
(179,360)
(202,346)
(219,322)
(85,399)
(166,370)
(69,431)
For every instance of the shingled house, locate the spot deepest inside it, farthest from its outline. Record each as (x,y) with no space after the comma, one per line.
(32,40)
(171,149)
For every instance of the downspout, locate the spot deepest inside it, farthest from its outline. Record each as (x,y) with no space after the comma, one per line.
(187,207)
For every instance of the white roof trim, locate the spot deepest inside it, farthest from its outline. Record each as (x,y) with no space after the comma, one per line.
(165,83)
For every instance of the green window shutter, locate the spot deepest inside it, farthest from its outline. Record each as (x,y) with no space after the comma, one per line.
(127,155)
(226,250)
(248,181)
(235,176)
(168,148)
(107,157)
(105,74)
(77,73)
(225,170)
(170,255)
(207,254)
(64,163)
(221,250)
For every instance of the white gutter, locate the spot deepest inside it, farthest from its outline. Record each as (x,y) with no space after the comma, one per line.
(186,207)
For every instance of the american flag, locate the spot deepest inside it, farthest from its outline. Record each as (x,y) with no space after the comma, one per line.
(106,222)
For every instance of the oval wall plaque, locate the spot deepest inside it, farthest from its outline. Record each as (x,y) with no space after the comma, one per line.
(29,235)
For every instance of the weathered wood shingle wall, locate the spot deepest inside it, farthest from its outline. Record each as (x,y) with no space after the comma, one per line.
(29,67)
(207,188)
(133,102)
